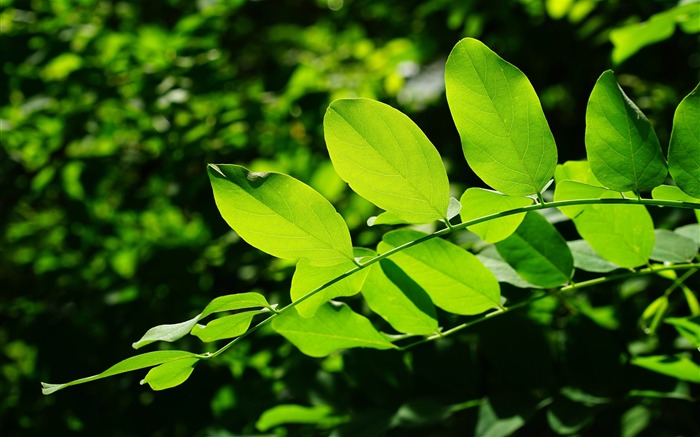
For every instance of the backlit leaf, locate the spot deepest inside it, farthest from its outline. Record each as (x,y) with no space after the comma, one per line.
(478,203)
(393,295)
(622,147)
(225,327)
(579,171)
(387,159)
(688,327)
(148,359)
(333,327)
(538,252)
(280,215)
(677,366)
(622,234)
(455,280)
(285,414)
(170,374)
(684,148)
(668,192)
(308,277)
(505,136)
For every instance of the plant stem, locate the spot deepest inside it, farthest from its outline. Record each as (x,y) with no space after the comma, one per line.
(453,228)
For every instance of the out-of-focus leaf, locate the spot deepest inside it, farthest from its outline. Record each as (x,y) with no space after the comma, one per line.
(333,327)
(672,247)
(148,359)
(688,327)
(503,271)
(676,366)
(289,413)
(170,374)
(585,258)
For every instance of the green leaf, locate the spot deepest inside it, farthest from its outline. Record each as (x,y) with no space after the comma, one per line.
(333,327)
(621,144)
(538,252)
(691,231)
(688,327)
(651,317)
(308,277)
(284,414)
(280,215)
(629,39)
(579,171)
(393,295)
(387,159)
(238,301)
(385,218)
(478,203)
(621,234)
(505,135)
(668,192)
(455,280)
(677,366)
(691,300)
(225,327)
(585,258)
(503,271)
(148,359)
(672,247)
(684,148)
(170,374)
(176,331)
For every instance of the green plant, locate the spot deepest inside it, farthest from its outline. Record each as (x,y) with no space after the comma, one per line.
(388,160)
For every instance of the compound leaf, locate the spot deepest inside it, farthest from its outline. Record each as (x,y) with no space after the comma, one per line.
(505,135)
(622,147)
(478,203)
(538,252)
(455,280)
(280,215)
(387,159)
(170,374)
(148,359)
(684,149)
(333,327)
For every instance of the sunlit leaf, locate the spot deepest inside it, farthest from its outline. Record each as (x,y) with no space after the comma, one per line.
(538,252)
(621,234)
(688,327)
(579,171)
(167,333)
(333,327)
(225,327)
(280,215)
(477,202)
(387,159)
(285,414)
(668,192)
(684,149)
(505,136)
(393,295)
(170,374)
(677,366)
(148,359)
(308,277)
(622,147)
(455,280)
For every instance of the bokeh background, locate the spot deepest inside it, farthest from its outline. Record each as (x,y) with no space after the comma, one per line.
(110,112)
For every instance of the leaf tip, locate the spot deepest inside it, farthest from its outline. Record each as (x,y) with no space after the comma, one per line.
(216,168)
(47,389)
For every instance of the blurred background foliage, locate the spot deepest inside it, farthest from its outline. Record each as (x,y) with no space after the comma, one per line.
(109,113)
